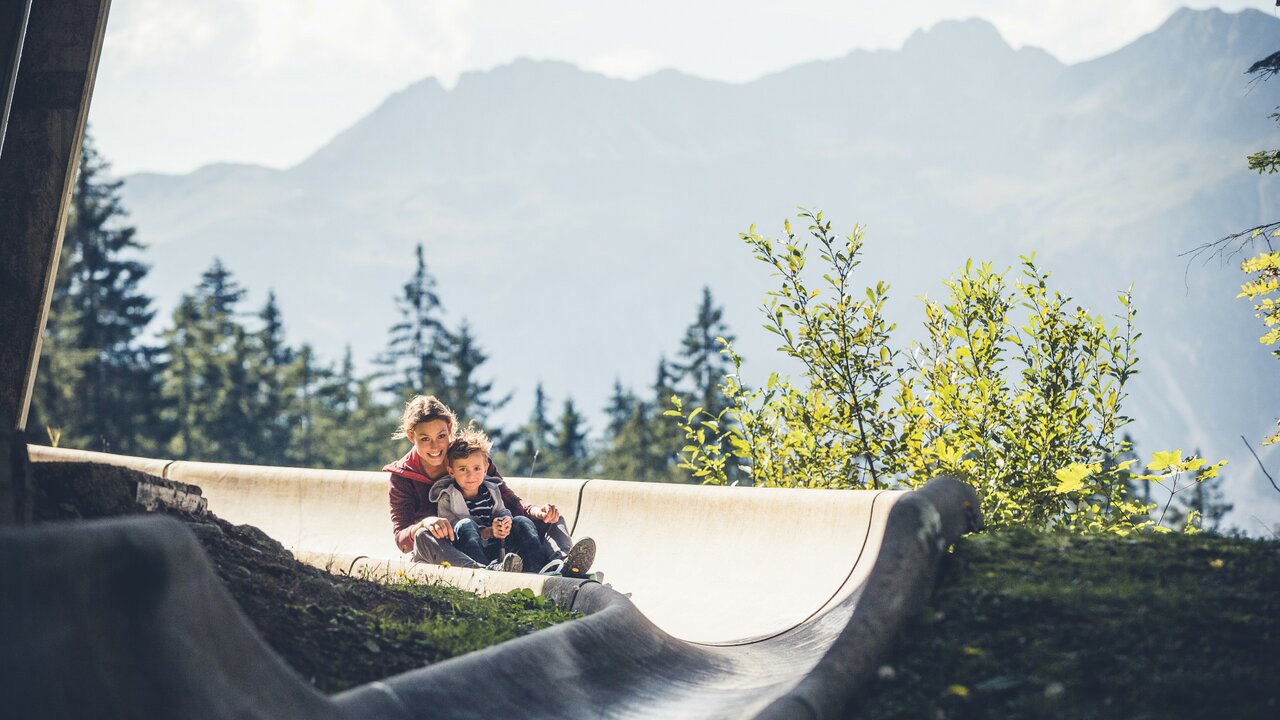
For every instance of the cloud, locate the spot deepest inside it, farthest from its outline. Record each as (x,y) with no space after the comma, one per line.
(146,33)
(422,38)
(407,38)
(628,63)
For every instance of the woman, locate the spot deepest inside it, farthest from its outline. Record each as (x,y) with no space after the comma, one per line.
(430,426)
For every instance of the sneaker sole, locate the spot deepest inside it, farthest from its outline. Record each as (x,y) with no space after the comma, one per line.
(578,562)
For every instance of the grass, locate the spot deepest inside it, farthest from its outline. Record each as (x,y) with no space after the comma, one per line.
(337,631)
(1035,625)
(338,646)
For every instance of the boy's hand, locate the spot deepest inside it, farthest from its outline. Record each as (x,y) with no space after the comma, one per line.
(501,527)
(438,527)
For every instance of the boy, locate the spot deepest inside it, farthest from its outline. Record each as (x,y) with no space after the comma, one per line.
(472,503)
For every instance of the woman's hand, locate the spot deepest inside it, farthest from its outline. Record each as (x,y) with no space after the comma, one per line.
(438,527)
(501,527)
(546,513)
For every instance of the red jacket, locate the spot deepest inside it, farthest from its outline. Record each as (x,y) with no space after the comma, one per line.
(409,501)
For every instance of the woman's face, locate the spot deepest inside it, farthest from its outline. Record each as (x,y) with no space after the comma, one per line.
(431,440)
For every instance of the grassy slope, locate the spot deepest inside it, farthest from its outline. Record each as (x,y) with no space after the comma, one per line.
(335,630)
(339,631)
(1028,625)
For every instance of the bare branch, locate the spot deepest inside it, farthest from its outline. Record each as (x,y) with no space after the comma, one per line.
(1260,465)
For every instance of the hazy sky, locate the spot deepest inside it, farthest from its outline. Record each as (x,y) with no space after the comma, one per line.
(188,82)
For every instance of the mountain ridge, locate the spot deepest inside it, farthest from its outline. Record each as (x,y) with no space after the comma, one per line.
(553,201)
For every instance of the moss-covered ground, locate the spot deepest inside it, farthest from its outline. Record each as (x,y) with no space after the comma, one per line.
(1034,625)
(335,630)
(340,631)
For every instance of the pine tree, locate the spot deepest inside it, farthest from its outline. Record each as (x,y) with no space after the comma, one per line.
(368,425)
(348,428)
(622,405)
(533,442)
(277,373)
(664,384)
(702,364)
(236,419)
(409,364)
(468,397)
(97,381)
(569,447)
(180,383)
(62,371)
(666,434)
(632,448)
(320,422)
(640,443)
(206,381)
(303,383)
(634,452)
(275,350)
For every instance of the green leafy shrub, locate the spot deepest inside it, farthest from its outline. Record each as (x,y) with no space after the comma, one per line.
(1014,389)
(1019,393)
(1264,281)
(836,431)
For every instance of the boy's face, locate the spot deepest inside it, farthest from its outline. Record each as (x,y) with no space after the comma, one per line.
(431,440)
(469,472)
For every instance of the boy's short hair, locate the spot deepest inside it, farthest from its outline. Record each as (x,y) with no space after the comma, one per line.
(424,408)
(469,441)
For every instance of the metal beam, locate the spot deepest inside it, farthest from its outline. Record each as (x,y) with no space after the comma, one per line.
(37,172)
(50,104)
(13,26)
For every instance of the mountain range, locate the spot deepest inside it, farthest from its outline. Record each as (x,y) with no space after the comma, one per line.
(573,218)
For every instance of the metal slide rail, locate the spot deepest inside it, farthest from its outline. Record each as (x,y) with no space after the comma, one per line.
(126,618)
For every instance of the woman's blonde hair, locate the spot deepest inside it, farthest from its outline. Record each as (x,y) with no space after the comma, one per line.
(424,408)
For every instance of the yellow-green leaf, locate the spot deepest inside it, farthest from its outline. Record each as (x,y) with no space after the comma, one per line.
(1163,460)
(1071,478)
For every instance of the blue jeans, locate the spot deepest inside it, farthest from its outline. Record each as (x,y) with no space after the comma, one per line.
(524,541)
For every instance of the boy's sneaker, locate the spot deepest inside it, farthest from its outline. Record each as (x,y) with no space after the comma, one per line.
(578,562)
(511,562)
(552,568)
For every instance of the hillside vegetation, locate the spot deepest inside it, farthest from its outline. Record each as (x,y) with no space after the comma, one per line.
(335,630)
(1043,625)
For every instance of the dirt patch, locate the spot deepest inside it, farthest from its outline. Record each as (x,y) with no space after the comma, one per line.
(337,631)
